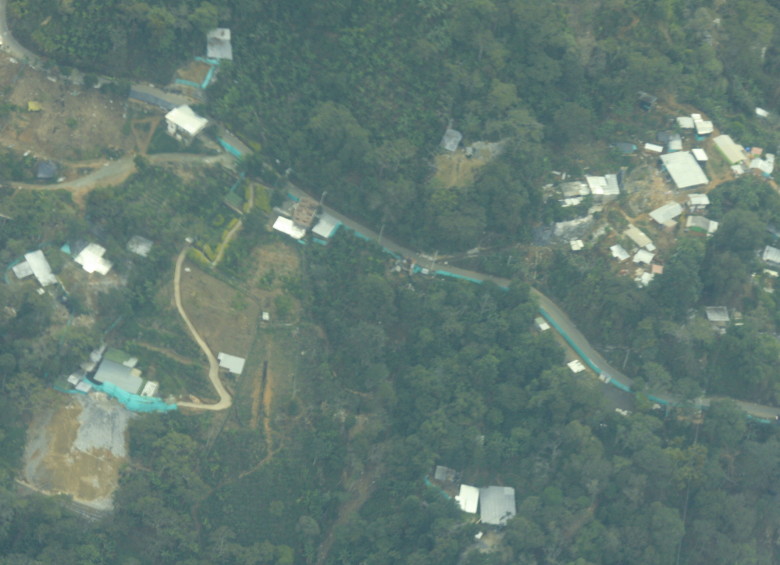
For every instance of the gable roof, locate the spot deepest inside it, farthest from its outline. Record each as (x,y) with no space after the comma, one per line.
(185,118)
(666,213)
(684,169)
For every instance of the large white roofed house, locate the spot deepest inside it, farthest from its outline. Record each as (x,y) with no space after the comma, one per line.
(91,259)
(40,267)
(468,498)
(184,124)
(218,44)
(684,169)
(496,505)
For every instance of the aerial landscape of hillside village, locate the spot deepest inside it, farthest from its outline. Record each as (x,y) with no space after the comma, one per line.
(459,281)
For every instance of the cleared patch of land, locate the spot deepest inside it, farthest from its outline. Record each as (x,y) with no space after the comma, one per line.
(77,448)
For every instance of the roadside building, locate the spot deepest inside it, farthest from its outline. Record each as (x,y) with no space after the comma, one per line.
(288,227)
(40,268)
(218,44)
(732,152)
(684,170)
(700,224)
(184,124)
(667,214)
(575,366)
(150,388)
(496,505)
(232,363)
(541,324)
(326,227)
(468,498)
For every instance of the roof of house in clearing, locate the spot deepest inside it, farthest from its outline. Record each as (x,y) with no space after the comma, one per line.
(699,154)
(666,213)
(702,224)
(46,170)
(232,363)
(40,267)
(92,260)
(22,270)
(684,169)
(326,227)
(444,474)
(637,236)
(643,256)
(119,375)
(451,139)
(771,254)
(703,127)
(185,118)
(218,44)
(731,151)
(618,252)
(287,226)
(717,313)
(497,505)
(468,498)
(685,122)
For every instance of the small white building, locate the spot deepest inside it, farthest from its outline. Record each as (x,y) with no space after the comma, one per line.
(184,124)
(636,235)
(685,122)
(22,270)
(326,226)
(653,148)
(541,324)
(232,363)
(218,44)
(288,227)
(576,244)
(575,366)
(468,498)
(618,252)
(761,113)
(771,255)
(150,388)
(92,261)
(698,202)
(703,127)
(451,139)
(643,256)
(40,268)
(700,154)
(701,224)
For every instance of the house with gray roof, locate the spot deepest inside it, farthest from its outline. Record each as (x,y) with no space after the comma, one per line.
(119,375)
(496,505)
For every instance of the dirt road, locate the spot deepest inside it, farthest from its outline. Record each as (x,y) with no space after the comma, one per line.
(225,401)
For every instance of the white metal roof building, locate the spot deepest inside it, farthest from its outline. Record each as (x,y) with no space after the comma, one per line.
(119,375)
(699,154)
(703,127)
(653,148)
(326,227)
(575,366)
(685,122)
(218,44)
(717,314)
(684,169)
(731,151)
(618,252)
(22,270)
(183,119)
(666,213)
(40,267)
(91,259)
(698,201)
(637,236)
(451,139)
(288,227)
(771,255)
(701,224)
(232,363)
(643,256)
(468,498)
(496,505)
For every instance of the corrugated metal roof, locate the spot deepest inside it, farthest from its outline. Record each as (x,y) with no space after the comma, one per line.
(40,267)
(468,498)
(218,44)
(232,363)
(496,505)
(451,139)
(684,169)
(119,375)
(732,152)
(666,213)
(184,118)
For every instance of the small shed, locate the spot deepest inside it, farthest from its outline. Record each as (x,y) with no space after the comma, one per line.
(643,256)
(618,252)
(771,255)
(717,315)
(541,324)
(119,375)
(575,366)
(703,127)
(576,244)
(445,474)
(685,122)
(761,113)
(636,235)
(46,170)
(218,44)
(92,261)
(326,226)
(40,268)
(496,505)
(451,139)
(700,154)
(573,189)
(698,202)
(643,279)
(150,388)
(140,245)
(653,148)
(22,270)
(232,363)
(468,498)
(700,224)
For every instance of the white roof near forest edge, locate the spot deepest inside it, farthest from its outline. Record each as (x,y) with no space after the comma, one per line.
(684,169)
(618,252)
(218,44)
(666,213)
(698,200)
(496,505)
(451,139)
(326,227)
(731,151)
(232,363)
(700,223)
(186,120)
(40,267)
(771,255)
(468,498)
(91,259)
(287,226)
(575,366)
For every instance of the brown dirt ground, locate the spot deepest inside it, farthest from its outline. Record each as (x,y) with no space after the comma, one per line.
(225,317)
(455,169)
(194,71)
(95,119)
(279,261)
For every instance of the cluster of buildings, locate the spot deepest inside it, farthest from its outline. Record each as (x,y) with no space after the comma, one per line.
(299,216)
(113,371)
(495,504)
